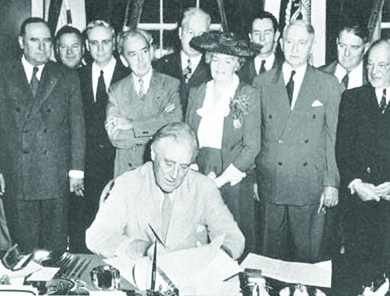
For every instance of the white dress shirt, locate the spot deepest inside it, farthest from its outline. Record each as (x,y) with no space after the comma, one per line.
(194,61)
(269,62)
(355,78)
(28,69)
(146,80)
(298,78)
(108,72)
(379,94)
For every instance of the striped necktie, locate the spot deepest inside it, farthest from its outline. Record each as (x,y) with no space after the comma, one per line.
(34,83)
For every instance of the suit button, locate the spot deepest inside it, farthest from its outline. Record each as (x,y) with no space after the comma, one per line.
(25,130)
(279,163)
(368,170)
(145,132)
(18,110)
(45,130)
(25,151)
(280,141)
(306,141)
(130,165)
(48,110)
(44,152)
(305,163)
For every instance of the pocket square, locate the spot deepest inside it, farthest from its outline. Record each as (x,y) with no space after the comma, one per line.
(317,103)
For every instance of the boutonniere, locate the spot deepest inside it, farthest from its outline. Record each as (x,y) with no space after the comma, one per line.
(239,107)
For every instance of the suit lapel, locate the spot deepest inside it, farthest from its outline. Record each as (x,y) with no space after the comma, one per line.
(89,97)
(47,83)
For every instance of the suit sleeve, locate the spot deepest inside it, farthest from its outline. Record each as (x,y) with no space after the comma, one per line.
(347,156)
(77,124)
(331,175)
(106,235)
(154,123)
(143,129)
(251,135)
(220,221)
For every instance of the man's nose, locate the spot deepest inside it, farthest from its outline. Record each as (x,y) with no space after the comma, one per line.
(140,58)
(174,172)
(347,51)
(69,50)
(262,37)
(295,48)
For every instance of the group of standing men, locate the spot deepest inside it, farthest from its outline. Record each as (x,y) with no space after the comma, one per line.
(53,133)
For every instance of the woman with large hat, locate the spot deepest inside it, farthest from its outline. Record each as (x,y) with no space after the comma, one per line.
(225,114)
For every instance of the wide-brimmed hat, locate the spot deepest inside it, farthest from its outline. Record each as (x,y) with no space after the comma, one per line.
(226,43)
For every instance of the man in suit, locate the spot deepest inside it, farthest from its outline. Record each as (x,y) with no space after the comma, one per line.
(139,104)
(296,168)
(69,48)
(362,151)
(188,65)
(95,80)
(264,31)
(352,44)
(183,207)
(42,126)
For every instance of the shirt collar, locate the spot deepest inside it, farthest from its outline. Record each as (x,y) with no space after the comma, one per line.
(145,78)
(28,69)
(299,72)
(194,60)
(108,69)
(355,78)
(269,62)
(379,94)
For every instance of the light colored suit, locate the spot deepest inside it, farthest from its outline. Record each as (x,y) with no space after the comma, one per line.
(134,203)
(44,138)
(147,116)
(297,156)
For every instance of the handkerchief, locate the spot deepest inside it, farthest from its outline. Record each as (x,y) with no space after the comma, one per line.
(317,103)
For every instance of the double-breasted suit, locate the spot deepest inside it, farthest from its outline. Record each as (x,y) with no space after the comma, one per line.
(240,145)
(172,66)
(147,115)
(44,138)
(297,158)
(362,151)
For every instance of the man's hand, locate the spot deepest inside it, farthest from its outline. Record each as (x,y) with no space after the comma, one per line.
(2,184)
(169,108)
(115,124)
(329,198)
(366,191)
(76,185)
(383,190)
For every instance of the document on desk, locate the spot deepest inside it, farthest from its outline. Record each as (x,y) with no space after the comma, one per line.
(196,271)
(318,274)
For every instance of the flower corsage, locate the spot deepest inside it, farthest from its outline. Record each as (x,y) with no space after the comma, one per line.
(239,107)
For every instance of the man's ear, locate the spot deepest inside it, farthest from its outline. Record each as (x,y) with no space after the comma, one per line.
(250,37)
(152,153)
(366,47)
(21,42)
(281,44)
(86,45)
(179,31)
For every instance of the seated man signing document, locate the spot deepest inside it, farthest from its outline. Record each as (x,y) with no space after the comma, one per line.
(182,206)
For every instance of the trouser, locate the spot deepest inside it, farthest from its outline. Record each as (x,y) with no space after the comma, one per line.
(292,233)
(37,224)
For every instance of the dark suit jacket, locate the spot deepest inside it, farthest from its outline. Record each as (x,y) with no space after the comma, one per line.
(362,151)
(171,65)
(44,136)
(331,68)
(297,157)
(248,70)
(100,154)
(239,145)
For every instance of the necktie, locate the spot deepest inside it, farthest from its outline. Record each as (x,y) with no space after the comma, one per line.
(166,211)
(382,104)
(262,67)
(141,92)
(290,87)
(101,93)
(345,80)
(187,71)
(34,83)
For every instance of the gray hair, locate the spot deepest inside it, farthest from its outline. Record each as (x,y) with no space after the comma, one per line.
(100,23)
(195,12)
(179,132)
(309,28)
(124,35)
